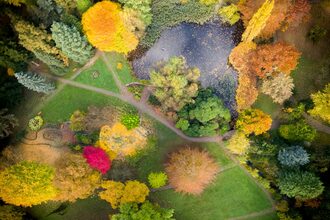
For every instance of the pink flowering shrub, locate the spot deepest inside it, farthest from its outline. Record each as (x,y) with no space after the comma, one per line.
(97,158)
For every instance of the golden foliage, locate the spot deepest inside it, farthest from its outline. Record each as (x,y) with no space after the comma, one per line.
(106,30)
(253,121)
(238,143)
(190,170)
(247,92)
(74,178)
(119,142)
(27,184)
(258,21)
(321,101)
(237,57)
(116,193)
(132,22)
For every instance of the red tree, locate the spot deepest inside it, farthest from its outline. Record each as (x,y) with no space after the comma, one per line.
(97,158)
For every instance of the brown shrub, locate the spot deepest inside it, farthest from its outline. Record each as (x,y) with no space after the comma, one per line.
(98,117)
(191,170)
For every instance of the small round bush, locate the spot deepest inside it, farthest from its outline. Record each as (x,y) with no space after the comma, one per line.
(293,156)
(97,159)
(130,121)
(36,123)
(157,180)
(78,121)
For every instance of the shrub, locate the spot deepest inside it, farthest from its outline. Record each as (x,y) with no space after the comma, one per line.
(142,6)
(145,211)
(321,104)
(27,184)
(8,212)
(229,14)
(36,123)
(116,193)
(253,121)
(293,156)
(78,121)
(300,184)
(157,180)
(238,143)
(7,123)
(97,159)
(190,170)
(74,178)
(299,131)
(130,121)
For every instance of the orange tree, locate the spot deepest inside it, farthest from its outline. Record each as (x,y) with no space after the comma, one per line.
(105,29)
(253,121)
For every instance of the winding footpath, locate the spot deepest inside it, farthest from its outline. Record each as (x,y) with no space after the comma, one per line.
(143,107)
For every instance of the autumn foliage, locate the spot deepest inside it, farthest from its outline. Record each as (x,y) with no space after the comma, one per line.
(105,28)
(190,170)
(27,184)
(117,193)
(270,57)
(247,92)
(253,121)
(97,158)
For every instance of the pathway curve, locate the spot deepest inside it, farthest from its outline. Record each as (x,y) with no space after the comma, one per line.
(316,124)
(143,107)
(253,215)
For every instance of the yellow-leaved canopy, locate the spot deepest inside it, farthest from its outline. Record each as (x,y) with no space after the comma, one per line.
(119,142)
(105,29)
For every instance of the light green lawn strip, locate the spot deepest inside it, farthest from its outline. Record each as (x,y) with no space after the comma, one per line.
(309,77)
(104,80)
(233,194)
(125,74)
(266,104)
(63,104)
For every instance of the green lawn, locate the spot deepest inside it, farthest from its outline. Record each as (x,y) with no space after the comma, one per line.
(309,77)
(125,73)
(104,80)
(66,101)
(266,104)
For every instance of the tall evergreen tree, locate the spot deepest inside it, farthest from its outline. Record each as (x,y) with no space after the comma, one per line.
(72,44)
(35,82)
(11,56)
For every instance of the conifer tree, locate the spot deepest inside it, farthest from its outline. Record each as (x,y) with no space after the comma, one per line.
(72,44)
(35,82)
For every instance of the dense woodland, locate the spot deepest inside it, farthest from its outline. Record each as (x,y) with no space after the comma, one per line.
(76,123)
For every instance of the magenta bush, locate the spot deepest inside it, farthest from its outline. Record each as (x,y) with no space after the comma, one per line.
(97,158)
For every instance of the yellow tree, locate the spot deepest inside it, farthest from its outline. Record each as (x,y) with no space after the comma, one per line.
(105,29)
(258,21)
(321,102)
(238,143)
(27,184)
(253,121)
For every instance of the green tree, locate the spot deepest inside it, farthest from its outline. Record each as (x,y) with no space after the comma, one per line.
(83,5)
(229,14)
(142,6)
(321,102)
(300,184)
(68,5)
(207,116)
(175,83)
(11,56)
(14,2)
(133,211)
(130,121)
(258,21)
(7,123)
(37,40)
(299,131)
(35,82)
(72,44)
(27,183)
(293,156)
(11,91)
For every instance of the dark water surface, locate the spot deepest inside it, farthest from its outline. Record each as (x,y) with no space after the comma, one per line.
(204,46)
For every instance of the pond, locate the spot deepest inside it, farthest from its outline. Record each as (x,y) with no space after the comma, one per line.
(204,46)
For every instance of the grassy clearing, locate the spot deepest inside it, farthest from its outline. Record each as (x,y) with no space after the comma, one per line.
(232,194)
(125,72)
(309,77)
(64,103)
(104,80)
(266,104)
